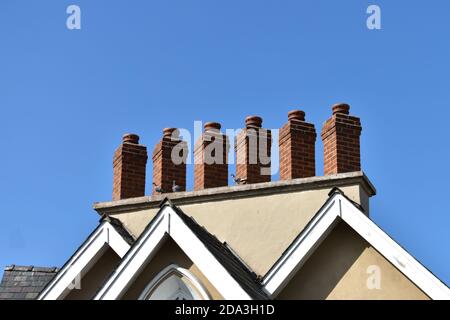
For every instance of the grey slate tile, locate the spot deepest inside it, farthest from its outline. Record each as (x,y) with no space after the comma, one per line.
(24,282)
(31,296)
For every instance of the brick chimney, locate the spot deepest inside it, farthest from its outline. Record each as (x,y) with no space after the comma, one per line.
(297,140)
(211,158)
(253,146)
(129,164)
(340,136)
(169,162)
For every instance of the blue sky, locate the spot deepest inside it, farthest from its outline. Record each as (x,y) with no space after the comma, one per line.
(66,97)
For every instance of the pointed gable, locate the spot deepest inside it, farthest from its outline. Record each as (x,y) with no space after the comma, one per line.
(371,245)
(215,260)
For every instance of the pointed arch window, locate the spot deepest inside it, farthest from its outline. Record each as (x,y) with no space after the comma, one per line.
(175,283)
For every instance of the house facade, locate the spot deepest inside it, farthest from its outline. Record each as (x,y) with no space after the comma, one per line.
(302,237)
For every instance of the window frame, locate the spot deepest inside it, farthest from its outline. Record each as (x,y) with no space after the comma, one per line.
(196,289)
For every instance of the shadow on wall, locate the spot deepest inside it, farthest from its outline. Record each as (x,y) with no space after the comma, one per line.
(327,266)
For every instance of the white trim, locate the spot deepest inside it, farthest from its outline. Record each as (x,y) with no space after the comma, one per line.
(201,293)
(84,258)
(168,223)
(395,254)
(339,207)
(142,251)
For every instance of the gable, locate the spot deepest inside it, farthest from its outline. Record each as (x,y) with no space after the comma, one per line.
(342,266)
(216,260)
(109,234)
(91,280)
(168,254)
(340,208)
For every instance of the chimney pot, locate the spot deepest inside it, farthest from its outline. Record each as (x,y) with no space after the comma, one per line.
(130,138)
(253,122)
(342,108)
(171,132)
(209,126)
(296,115)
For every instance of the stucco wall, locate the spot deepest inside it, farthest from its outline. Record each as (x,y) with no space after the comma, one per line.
(168,254)
(338,269)
(95,277)
(258,228)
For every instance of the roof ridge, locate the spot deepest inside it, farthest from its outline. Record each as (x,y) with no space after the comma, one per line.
(31,268)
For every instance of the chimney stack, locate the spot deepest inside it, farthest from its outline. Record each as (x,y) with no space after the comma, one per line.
(253,152)
(129,165)
(169,162)
(211,158)
(297,140)
(340,136)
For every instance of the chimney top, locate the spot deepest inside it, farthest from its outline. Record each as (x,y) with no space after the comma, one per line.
(253,122)
(342,108)
(130,138)
(296,115)
(212,126)
(171,132)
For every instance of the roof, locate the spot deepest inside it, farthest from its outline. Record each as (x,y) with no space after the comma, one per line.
(338,208)
(24,282)
(218,263)
(224,254)
(120,228)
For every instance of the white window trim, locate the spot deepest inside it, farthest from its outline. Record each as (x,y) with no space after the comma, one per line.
(169,223)
(173,268)
(84,258)
(340,208)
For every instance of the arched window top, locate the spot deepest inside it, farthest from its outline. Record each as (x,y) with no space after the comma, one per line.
(174,283)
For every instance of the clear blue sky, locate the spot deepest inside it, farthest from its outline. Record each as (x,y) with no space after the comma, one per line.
(66,97)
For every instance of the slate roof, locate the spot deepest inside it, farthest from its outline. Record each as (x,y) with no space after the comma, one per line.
(24,282)
(235,266)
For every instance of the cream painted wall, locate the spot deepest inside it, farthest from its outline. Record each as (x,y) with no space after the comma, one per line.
(338,270)
(169,253)
(259,229)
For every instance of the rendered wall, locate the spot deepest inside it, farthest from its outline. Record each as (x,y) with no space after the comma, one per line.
(338,269)
(259,229)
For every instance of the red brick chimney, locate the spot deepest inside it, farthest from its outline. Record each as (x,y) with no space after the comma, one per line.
(340,136)
(211,158)
(252,148)
(297,140)
(169,163)
(129,164)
